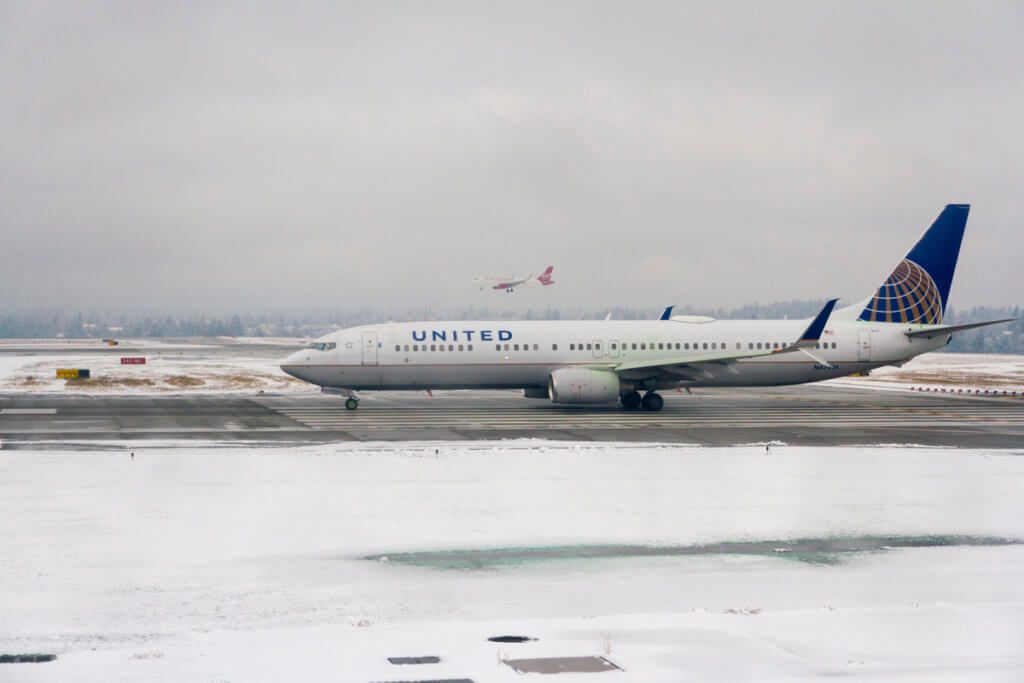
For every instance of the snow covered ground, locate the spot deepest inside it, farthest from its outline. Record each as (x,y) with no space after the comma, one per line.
(249,564)
(161,373)
(224,365)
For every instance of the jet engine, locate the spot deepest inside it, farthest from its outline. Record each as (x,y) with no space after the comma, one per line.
(583,385)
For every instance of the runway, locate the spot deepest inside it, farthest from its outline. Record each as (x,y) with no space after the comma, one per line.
(803,415)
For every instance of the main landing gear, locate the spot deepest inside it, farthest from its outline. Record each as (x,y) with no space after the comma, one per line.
(630,401)
(650,401)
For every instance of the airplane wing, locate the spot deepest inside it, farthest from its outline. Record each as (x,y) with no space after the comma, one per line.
(929,331)
(682,369)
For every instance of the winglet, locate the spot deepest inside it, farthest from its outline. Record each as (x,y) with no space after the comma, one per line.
(813,332)
(667,314)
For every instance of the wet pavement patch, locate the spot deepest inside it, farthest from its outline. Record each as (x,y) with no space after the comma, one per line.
(808,550)
(26,659)
(429,659)
(562,665)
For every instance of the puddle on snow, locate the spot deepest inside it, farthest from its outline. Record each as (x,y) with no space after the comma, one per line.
(808,550)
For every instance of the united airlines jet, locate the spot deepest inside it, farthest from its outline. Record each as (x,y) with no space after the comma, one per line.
(631,360)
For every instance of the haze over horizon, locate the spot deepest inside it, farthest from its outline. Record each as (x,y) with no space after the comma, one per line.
(240,157)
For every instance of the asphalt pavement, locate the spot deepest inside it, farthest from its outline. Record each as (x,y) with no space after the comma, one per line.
(813,415)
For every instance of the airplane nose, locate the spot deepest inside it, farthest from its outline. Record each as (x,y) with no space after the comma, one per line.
(293,365)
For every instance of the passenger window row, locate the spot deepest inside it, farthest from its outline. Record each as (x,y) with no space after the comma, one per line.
(322,346)
(435,347)
(770,345)
(767,345)
(593,346)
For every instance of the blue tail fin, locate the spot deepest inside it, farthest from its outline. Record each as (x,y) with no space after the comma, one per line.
(918,288)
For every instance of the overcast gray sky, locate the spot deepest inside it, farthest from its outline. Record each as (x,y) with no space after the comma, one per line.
(213,157)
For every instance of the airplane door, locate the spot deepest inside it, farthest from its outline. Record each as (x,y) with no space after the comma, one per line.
(613,349)
(598,351)
(863,345)
(369,348)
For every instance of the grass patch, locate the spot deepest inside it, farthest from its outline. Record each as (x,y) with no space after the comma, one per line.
(244,381)
(954,378)
(183,381)
(107,383)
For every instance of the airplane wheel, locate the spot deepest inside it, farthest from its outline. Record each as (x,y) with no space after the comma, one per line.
(352,403)
(631,401)
(652,401)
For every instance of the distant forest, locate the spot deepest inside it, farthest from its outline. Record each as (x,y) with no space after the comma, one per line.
(1006,338)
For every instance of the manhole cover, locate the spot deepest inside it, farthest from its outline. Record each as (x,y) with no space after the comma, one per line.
(429,659)
(510,639)
(26,659)
(561,665)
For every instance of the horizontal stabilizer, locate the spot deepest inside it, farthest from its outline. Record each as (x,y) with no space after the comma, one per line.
(937,330)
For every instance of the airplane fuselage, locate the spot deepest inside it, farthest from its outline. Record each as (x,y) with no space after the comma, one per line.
(523,354)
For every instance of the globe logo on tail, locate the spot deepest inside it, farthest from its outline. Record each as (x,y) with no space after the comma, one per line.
(909,295)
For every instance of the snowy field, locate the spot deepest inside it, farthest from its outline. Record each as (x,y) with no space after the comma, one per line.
(215,563)
(981,371)
(227,365)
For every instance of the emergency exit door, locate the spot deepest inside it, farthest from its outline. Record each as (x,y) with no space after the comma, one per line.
(369,348)
(863,345)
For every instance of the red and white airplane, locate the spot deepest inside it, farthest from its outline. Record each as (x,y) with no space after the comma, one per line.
(509,284)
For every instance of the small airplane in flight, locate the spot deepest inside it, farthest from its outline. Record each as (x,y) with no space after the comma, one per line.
(509,284)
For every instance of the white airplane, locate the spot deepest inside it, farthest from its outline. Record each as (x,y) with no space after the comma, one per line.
(615,360)
(509,284)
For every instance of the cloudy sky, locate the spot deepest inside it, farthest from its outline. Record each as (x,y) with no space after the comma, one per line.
(211,157)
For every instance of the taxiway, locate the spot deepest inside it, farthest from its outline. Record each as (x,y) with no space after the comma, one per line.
(818,415)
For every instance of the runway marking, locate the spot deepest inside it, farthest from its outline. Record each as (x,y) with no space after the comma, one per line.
(921,411)
(28,411)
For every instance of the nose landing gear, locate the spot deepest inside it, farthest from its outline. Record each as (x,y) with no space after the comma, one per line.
(351,403)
